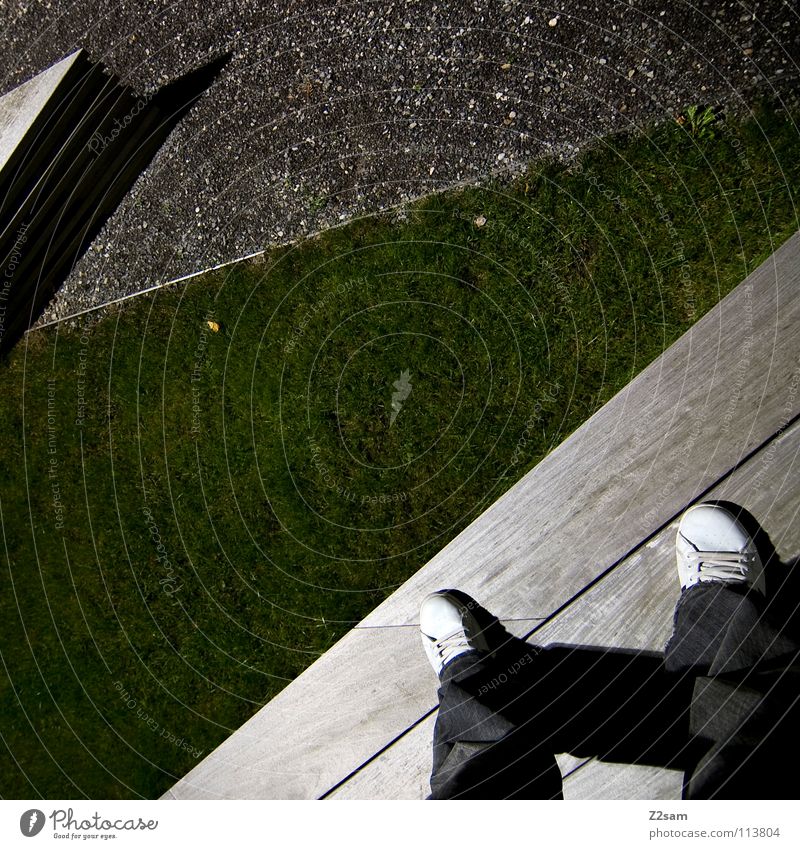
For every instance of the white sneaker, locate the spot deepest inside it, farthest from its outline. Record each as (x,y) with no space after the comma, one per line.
(449,628)
(712,545)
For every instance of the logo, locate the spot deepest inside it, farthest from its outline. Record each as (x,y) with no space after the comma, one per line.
(31,822)
(403,387)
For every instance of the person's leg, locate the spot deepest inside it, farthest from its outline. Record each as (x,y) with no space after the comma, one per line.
(745,665)
(502,718)
(478,750)
(745,702)
(721,628)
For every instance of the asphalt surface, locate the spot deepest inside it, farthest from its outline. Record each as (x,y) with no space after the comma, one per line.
(328,111)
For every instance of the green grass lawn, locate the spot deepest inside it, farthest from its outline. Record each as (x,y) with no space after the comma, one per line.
(191,517)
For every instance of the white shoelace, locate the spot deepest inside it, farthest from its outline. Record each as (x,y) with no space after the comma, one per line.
(449,644)
(722,565)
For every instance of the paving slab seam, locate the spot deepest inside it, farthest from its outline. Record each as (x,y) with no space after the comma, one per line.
(377,754)
(643,542)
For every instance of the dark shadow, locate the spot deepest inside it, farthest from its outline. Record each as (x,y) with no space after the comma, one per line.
(591,701)
(71,170)
(585,700)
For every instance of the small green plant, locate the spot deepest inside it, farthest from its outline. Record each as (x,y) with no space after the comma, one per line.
(317,202)
(699,121)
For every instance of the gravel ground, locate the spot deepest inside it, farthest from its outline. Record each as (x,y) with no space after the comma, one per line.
(331,110)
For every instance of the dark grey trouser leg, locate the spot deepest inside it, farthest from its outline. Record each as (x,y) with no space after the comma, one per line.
(746,700)
(477,752)
(501,721)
